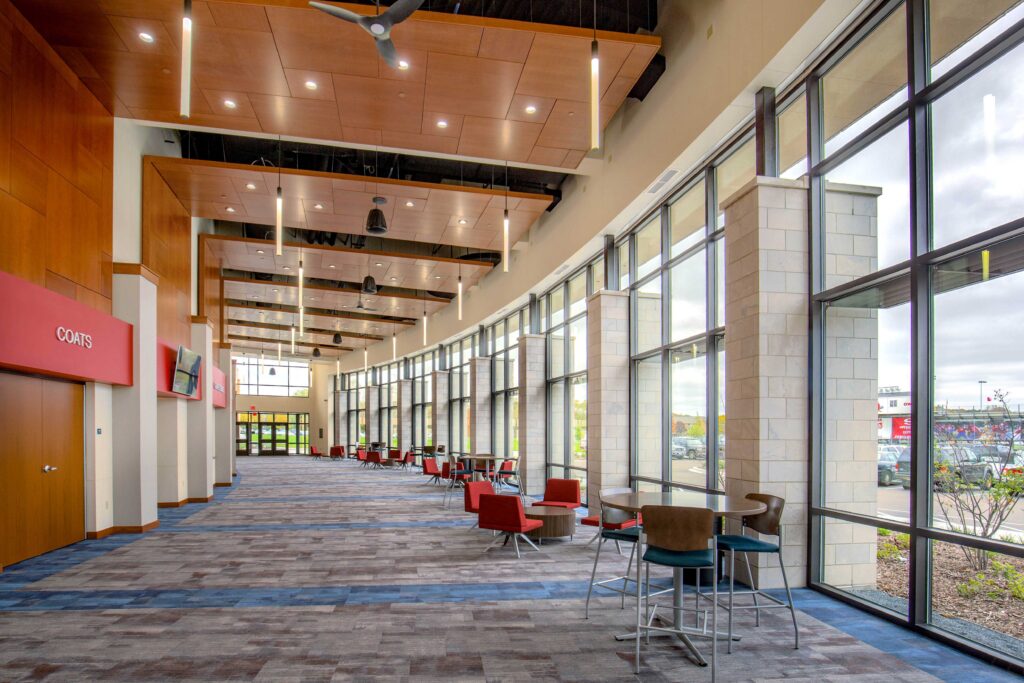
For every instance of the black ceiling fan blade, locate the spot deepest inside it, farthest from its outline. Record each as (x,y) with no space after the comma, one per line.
(388,52)
(402,10)
(338,12)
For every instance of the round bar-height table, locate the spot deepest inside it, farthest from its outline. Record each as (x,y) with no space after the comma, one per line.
(720,504)
(485,458)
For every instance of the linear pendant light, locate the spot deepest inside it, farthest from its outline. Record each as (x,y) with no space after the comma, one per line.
(366,361)
(279,217)
(337,367)
(293,339)
(504,231)
(302,304)
(424,323)
(278,351)
(595,86)
(394,346)
(460,291)
(186,61)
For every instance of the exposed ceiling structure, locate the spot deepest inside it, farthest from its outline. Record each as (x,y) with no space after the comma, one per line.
(474,86)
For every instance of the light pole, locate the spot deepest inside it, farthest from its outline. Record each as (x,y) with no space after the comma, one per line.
(981,384)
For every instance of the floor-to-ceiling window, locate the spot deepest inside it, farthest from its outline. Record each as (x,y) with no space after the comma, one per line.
(673,265)
(266,376)
(387,415)
(459,354)
(917,227)
(504,346)
(565,308)
(422,407)
(355,383)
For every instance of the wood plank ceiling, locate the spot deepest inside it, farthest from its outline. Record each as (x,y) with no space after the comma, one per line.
(477,75)
(332,202)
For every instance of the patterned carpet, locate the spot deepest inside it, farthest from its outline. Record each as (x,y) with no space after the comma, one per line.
(320,571)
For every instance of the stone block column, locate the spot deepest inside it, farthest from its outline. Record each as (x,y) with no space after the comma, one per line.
(202,444)
(172,452)
(607,392)
(372,414)
(135,423)
(532,412)
(99,459)
(480,402)
(766,358)
(439,414)
(224,420)
(404,415)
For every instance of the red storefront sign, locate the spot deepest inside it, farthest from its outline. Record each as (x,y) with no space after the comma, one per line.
(901,428)
(46,333)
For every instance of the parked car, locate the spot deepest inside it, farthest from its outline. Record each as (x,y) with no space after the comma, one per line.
(689,447)
(887,463)
(962,461)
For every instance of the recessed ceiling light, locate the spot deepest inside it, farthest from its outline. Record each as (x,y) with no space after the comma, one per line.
(437,277)
(572,113)
(318,206)
(274,291)
(312,298)
(231,209)
(530,109)
(311,85)
(331,266)
(379,265)
(250,186)
(287,268)
(410,204)
(403,65)
(260,251)
(462,221)
(145,37)
(230,104)
(442,124)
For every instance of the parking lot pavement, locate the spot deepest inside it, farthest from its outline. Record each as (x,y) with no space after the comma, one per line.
(894,503)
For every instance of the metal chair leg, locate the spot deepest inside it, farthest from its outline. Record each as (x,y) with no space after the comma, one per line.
(593,575)
(515,543)
(696,601)
(789,596)
(529,542)
(625,583)
(750,576)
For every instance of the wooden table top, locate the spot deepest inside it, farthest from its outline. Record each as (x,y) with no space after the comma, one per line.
(719,503)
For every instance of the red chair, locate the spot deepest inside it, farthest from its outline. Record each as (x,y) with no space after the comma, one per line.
(430,469)
(506,471)
(506,514)
(561,493)
(337,452)
(409,460)
(361,456)
(373,459)
(394,453)
(317,455)
(473,491)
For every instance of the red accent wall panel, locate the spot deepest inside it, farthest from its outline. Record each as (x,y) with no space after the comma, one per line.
(220,382)
(46,333)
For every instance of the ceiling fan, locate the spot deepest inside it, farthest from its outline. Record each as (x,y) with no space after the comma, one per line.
(378,26)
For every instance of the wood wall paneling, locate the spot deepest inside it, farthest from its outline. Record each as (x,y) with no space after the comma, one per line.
(56,170)
(167,250)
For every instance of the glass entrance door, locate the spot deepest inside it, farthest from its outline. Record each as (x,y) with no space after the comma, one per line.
(258,433)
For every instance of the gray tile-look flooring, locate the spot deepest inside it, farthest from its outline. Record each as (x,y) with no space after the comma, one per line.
(321,571)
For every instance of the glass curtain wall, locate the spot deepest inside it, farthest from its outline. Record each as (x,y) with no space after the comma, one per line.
(565,325)
(673,264)
(504,347)
(387,388)
(422,410)
(917,231)
(257,376)
(459,355)
(356,404)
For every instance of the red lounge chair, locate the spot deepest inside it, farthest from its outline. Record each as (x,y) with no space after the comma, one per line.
(373,459)
(431,469)
(408,460)
(473,491)
(506,471)
(337,452)
(506,514)
(561,493)
(361,456)
(317,455)
(394,453)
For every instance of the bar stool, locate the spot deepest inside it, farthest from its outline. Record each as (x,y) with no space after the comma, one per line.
(768,523)
(680,538)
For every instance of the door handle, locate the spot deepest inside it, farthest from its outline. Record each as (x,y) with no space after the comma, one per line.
(49,468)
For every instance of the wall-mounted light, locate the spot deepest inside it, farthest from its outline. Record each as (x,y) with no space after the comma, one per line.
(186,61)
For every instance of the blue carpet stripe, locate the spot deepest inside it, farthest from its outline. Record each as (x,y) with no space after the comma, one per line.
(325,526)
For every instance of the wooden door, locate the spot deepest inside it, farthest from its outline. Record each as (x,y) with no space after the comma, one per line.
(40,424)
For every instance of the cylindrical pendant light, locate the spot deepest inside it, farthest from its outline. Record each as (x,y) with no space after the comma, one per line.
(504,231)
(186,61)
(279,224)
(302,304)
(424,323)
(293,340)
(261,359)
(337,367)
(394,346)
(460,296)
(278,352)
(366,360)
(595,104)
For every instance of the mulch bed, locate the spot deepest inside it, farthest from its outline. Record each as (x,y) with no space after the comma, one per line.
(992,606)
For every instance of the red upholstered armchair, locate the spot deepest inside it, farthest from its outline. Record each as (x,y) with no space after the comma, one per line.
(473,491)
(506,514)
(315,453)
(430,469)
(373,458)
(337,452)
(408,460)
(561,493)
(394,453)
(361,456)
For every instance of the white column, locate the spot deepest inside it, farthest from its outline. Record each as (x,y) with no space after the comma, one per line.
(439,414)
(607,391)
(135,433)
(532,413)
(99,460)
(480,402)
(201,435)
(404,415)
(172,452)
(224,421)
